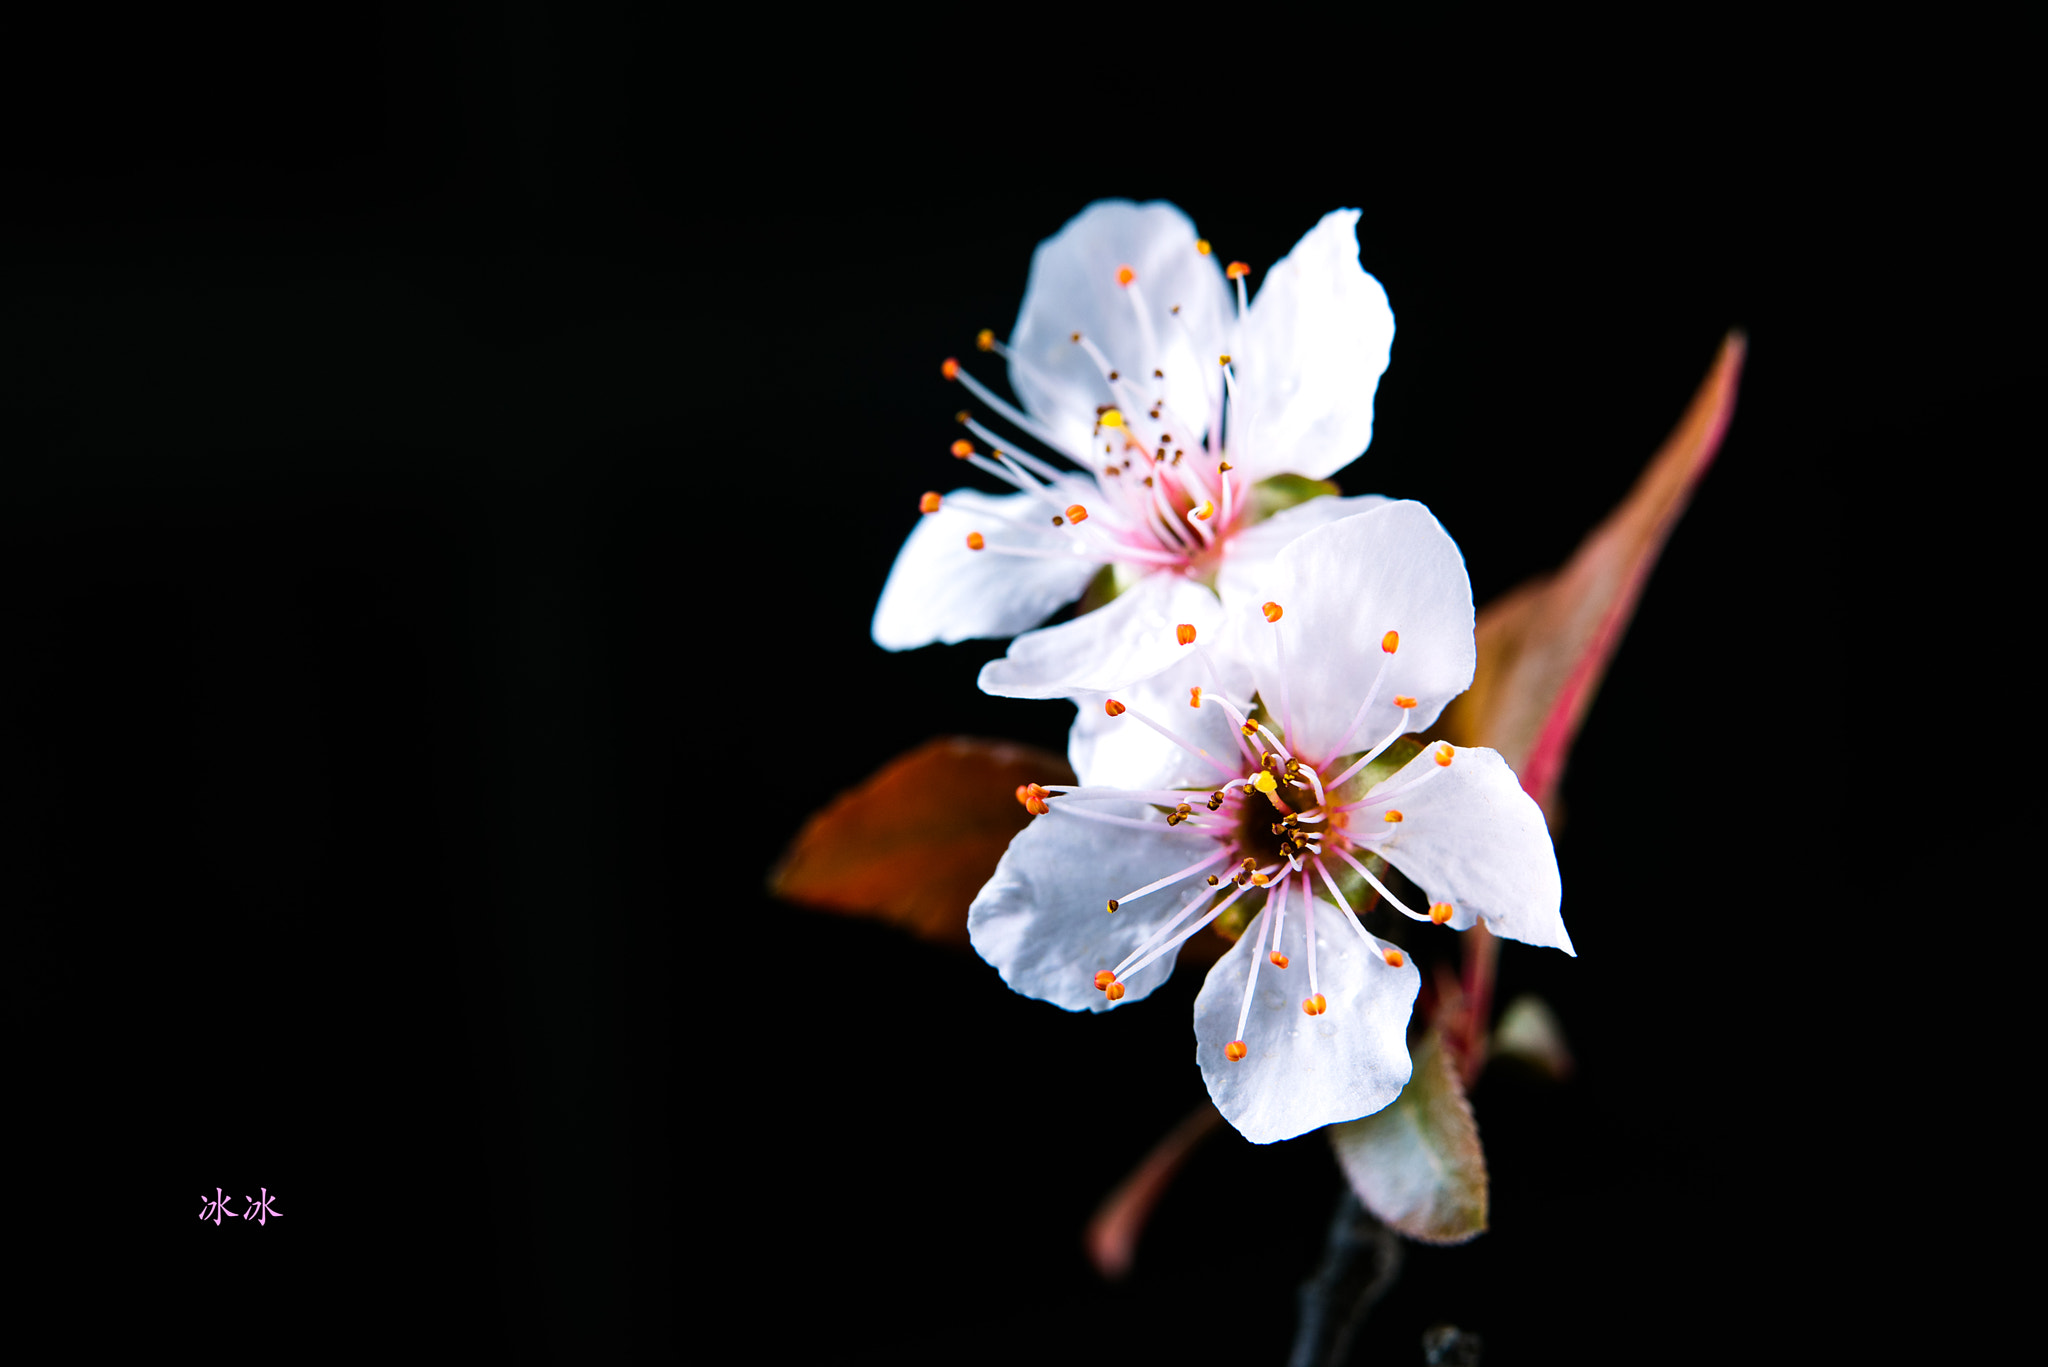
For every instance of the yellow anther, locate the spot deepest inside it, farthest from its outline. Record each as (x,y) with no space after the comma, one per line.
(985,339)
(1265,782)
(1223,360)
(1206,511)
(1111,417)
(1202,246)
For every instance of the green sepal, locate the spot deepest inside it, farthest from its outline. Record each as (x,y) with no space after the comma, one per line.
(1281,492)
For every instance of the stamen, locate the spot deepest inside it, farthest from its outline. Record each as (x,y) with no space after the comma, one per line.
(1379,887)
(1272,611)
(1110,417)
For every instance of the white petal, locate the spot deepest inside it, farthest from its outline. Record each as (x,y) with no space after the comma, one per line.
(1123,752)
(1471,837)
(1305,1071)
(1246,575)
(1073,288)
(1042,919)
(1131,637)
(1341,588)
(938,590)
(1309,356)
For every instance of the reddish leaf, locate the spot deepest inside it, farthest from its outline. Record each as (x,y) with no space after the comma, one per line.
(1112,1237)
(1544,646)
(916,841)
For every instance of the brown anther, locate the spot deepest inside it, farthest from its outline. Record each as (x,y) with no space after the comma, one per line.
(1115,992)
(1114,377)
(1076,513)
(975,541)
(1222,466)
(1185,634)
(1113,707)
(1237,269)
(962,449)
(1195,696)
(1241,878)
(963,416)
(1249,863)
(1394,958)
(1279,959)
(1249,729)
(1214,880)
(929,503)
(1272,611)
(1158,374)
(950,368)
(985,339)
(1113,905)
(1390,642)
(1440,912)
(1058,521)
(1175,818)
(1075,337)
(1235,1051)
(1402,700)
(1215,801)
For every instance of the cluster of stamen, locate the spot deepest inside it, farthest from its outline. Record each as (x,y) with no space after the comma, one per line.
(1163,493)
(1277,824)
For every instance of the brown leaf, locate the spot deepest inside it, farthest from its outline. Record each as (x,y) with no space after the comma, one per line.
(1544,645)
(916,841)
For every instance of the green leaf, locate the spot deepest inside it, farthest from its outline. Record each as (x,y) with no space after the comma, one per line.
(1417,1164)
(1281,492)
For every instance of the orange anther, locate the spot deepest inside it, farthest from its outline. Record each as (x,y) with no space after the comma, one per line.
(1125,275)
(974,541)
(1195,696)
(1103,978)
(1206,511)
(1390,642)
(1393,815)
(962,449)
(985,340)
(1402,700)
(1236,269)
(1113,905)
(1033,797)
(1113,707)
(1235,1051)
(950,368)
(1440,912)
(1115,992)
(1272,611)
(1185,634)
(1279,959)
(1443,755)
(929,503)
(1202,246)
(1316,1005)
(1076,513)
(1261,879)
(1393,958)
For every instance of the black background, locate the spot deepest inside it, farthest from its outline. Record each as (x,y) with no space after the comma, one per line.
(451,462)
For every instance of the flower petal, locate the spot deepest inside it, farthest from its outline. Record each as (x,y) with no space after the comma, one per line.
(1042,919)
(938,590)
(1471,837)
(1123,752)
(1073,288)
(1309,354)
(1343,586)
(1246,576)
(1306,1071)
(1130,637)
